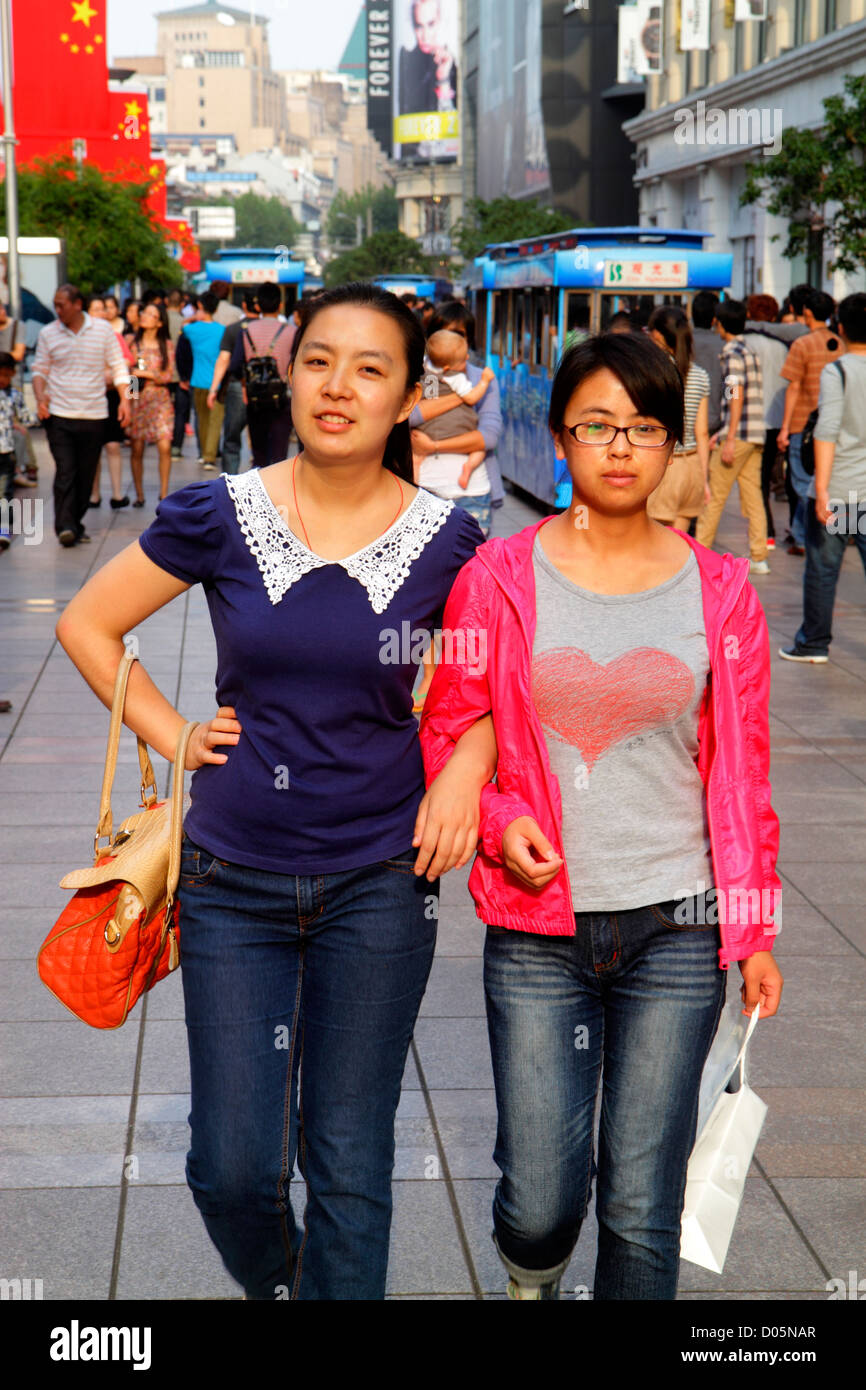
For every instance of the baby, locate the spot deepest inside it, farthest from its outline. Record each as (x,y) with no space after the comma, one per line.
(448,474)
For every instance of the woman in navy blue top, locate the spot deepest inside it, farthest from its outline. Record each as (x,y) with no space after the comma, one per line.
(309,879)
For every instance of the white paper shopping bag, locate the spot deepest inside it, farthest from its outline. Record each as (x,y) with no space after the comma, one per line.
(717,1168)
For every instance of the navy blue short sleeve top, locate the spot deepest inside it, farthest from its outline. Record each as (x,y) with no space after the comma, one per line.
(318,659)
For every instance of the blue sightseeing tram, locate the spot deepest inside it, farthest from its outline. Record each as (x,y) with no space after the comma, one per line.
(254,265)
(534,298)
(424,286)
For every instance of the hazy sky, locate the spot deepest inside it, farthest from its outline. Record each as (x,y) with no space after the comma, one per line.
(301,34)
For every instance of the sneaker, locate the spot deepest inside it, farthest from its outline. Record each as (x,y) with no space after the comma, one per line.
(84,539)
(796,654)
(539,1291)
(758,567)
(208,466)
(177,453)
(771,543)
(66,538)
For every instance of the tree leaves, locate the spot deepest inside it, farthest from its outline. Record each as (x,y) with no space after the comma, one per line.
(381,254)
(504,219)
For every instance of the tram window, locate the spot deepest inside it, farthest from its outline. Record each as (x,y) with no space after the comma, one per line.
(518,329)
(578,308)
(639,306)
(538,347)
(499,336)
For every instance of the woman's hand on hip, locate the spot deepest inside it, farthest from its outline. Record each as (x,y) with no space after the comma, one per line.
(762,981)
(207,738)
(528,854)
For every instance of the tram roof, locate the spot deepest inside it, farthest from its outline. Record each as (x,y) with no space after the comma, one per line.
(588,236)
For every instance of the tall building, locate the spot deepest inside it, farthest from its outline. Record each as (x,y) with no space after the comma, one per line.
(543,109)
(712,110)
(218,75)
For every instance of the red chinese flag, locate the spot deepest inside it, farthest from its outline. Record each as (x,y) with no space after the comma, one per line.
(127,149)
(61,74)
(157,201)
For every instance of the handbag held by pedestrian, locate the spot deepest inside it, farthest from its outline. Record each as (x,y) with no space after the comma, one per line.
(119,933)
(718,1165)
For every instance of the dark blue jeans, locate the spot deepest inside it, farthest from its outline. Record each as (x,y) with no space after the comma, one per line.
(642,995)
(825,551)
(301,995)
(234,422)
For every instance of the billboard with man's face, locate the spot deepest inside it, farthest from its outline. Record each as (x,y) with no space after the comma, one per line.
(426,120)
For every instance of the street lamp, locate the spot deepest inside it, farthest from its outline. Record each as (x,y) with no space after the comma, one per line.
(9,143)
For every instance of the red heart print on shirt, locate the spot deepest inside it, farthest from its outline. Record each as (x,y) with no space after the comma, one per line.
(593,707)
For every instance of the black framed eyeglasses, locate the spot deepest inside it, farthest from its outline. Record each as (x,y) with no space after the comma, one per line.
(639,436)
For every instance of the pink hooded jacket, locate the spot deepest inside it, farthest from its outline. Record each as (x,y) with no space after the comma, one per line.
(494,596)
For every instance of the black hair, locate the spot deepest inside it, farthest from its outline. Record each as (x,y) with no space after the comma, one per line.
(622,316)
(852,317)
(72,293)
(448,313)
(91,299)
(127,305)
(704,308)
(250,298)
(819,304)
(7,362)
(647,372)
(672,323)
(269,298)
(209,302)
(731,314)
(398,447)
(797,296)
(162,333)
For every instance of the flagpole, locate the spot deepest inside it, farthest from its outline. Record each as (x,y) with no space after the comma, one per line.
(9,143)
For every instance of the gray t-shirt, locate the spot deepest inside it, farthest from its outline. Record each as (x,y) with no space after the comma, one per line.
(617,680)
(842,421)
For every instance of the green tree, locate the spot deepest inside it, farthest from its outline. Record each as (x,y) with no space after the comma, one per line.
(108,231)
(817,170)
(343,214)
(504,219)
(383,253)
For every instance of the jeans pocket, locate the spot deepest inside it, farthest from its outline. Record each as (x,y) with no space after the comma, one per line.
(402,863)
(683,914)
(197,865)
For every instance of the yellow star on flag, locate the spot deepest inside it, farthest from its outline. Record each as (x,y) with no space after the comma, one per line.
(83,12)
(133,108)
(74,48)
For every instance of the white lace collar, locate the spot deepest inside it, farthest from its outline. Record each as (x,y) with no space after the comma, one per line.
(283,559)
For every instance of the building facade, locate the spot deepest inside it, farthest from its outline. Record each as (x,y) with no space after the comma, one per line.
(711,112)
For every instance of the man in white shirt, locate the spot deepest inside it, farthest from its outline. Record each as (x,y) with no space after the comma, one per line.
(72,357)
(227,312)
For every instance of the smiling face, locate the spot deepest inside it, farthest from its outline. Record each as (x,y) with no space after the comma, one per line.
(349,384)
(612,479)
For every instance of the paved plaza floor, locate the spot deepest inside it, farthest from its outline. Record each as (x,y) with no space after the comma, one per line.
(93,1126)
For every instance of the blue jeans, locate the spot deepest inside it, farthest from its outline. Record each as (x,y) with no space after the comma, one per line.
(234,420)
(321,976)
(800,481)
(825,551)
(643,995)
(479,507)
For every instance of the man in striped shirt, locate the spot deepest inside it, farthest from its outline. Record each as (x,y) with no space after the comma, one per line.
(741,437)
(72,356)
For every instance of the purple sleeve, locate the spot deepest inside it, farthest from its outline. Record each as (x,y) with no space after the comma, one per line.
(186,537)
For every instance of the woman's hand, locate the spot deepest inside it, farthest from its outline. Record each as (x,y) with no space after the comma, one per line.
(446,827)
(422,444)
(204,741)
(762,980)
(528,854)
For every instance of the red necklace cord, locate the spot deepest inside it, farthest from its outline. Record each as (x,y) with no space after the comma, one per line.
(298,510)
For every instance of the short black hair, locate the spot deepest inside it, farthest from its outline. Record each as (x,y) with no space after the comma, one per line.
(852,317)
(819,304)
(797,296)
(7,362)
(704,308)
(648,374)
(731,314)
(209,302)
(269,297)
(250,299)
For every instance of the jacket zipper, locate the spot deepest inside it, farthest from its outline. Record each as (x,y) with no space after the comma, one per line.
(532,718)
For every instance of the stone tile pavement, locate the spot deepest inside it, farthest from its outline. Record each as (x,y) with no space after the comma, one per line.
(93,1126)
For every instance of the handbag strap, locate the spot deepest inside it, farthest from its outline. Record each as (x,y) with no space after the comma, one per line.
(741,1055)
(176,831)
(148,779)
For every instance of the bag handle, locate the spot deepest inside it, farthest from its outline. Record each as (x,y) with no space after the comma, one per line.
(176,830)
(741,1055)
(148,779)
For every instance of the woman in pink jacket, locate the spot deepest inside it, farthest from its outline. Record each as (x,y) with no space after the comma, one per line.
(628,846)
